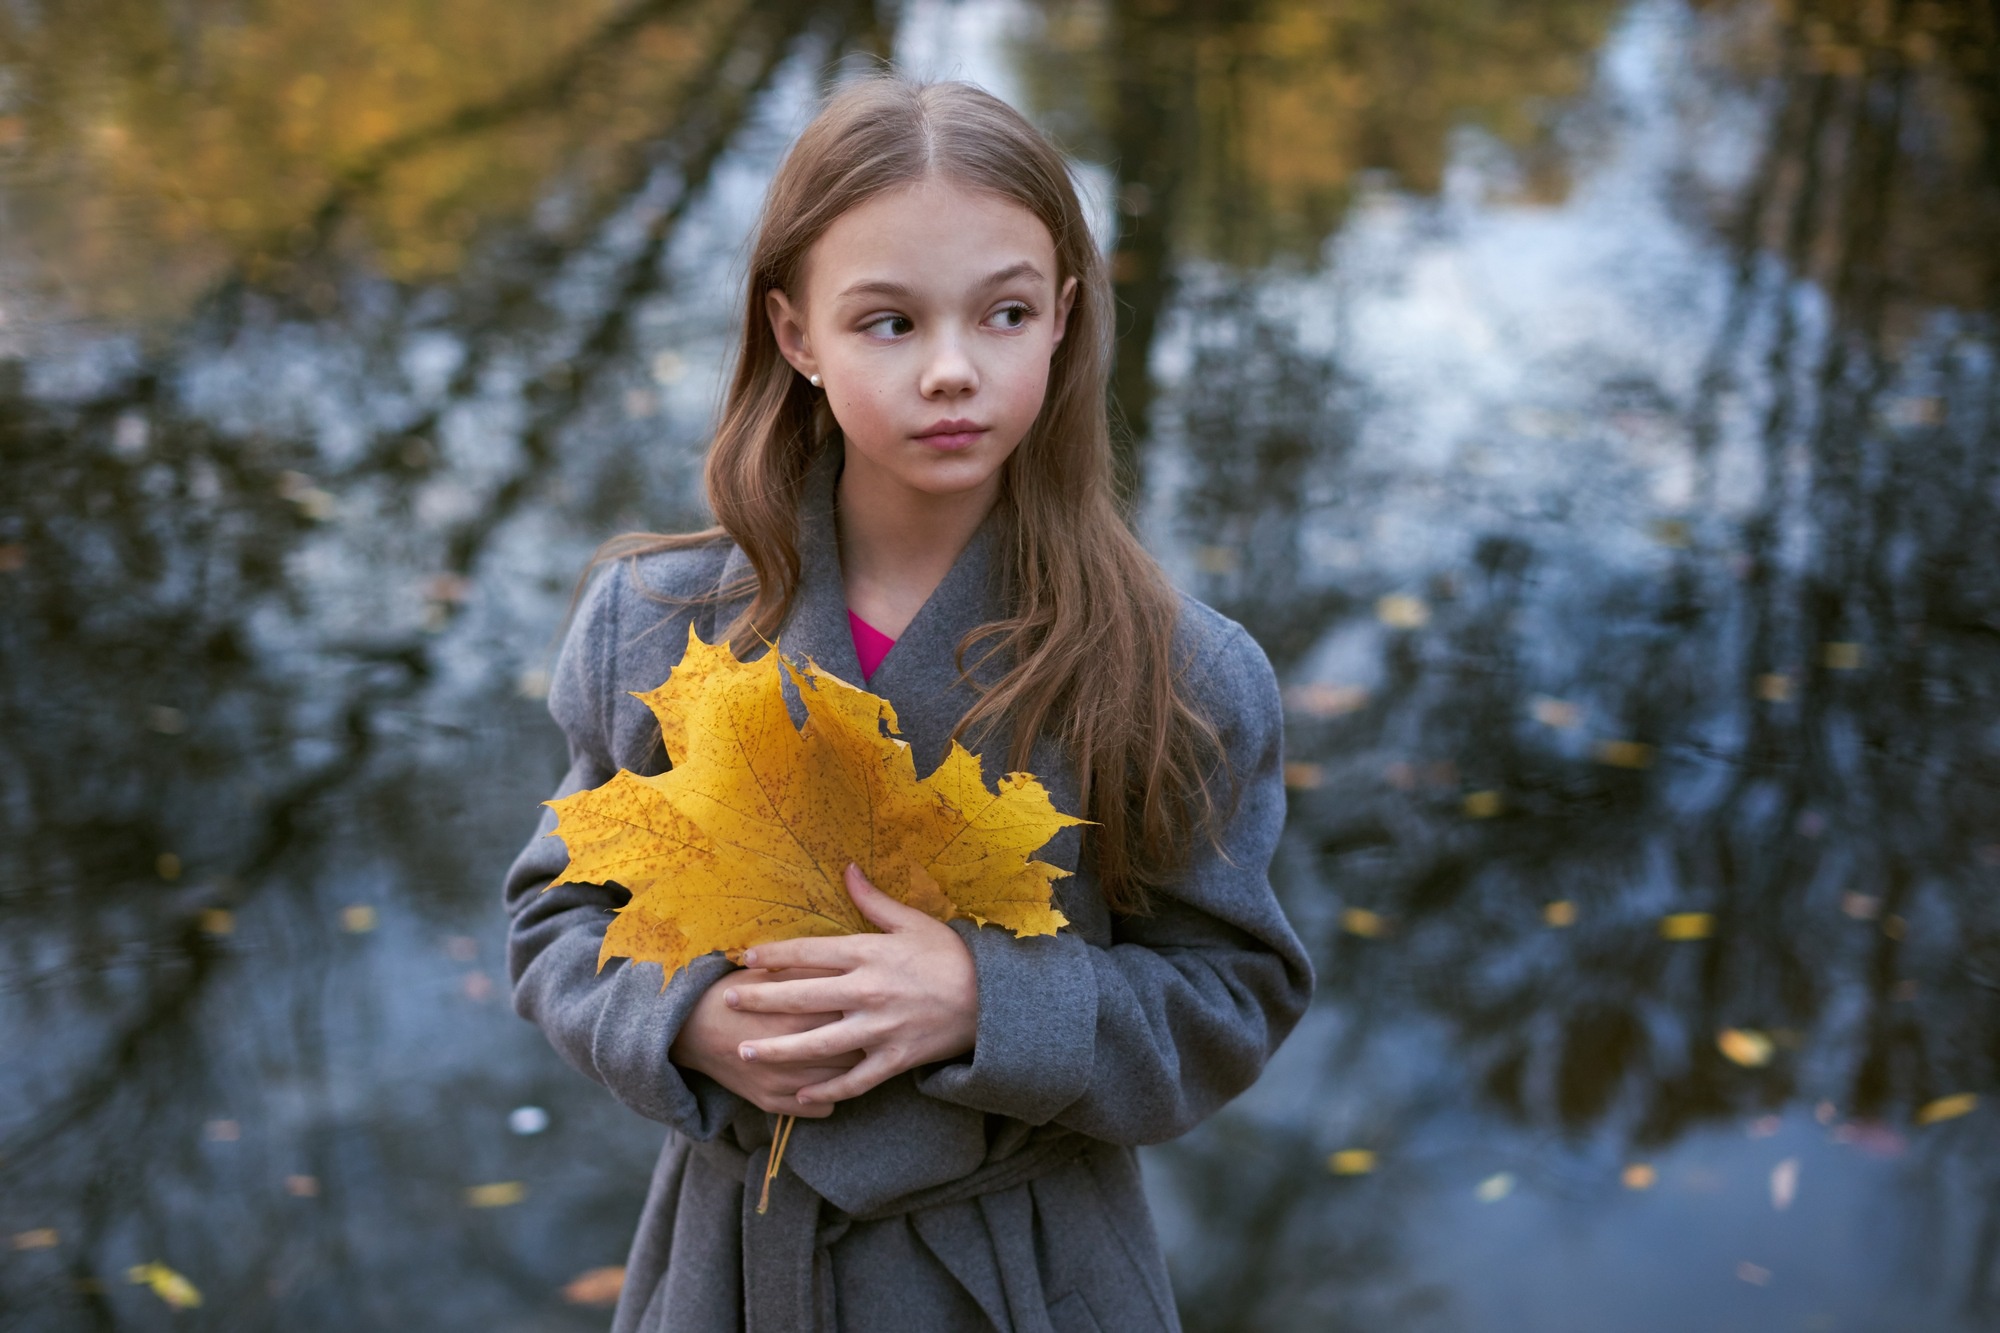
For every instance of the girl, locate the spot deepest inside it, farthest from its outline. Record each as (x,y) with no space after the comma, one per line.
(913,485)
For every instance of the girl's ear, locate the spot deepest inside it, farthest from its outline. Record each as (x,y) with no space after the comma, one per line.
(788,326)
(1065,300)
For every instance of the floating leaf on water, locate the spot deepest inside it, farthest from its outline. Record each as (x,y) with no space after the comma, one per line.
(1559,914)
(1687,926)
(1300,776)
(1558,713)
(1217,559)
(41,1238)
(1324,699)
(1625,754)
(1351,1162)
(1841,656)
(169,1286)
(1482,804)
(1360,921)
(597,1286)
(1671,532)
(302,1187)
(167,866)
(499,1194)
(1401,611)
(1754,1274)
(1947,1108)
(1638,1176)
(223,1131)
(1745,1046)
(218,921)
(1774,687)
(357,919)
(1495,1187)
(1860,906)
(1784,1183)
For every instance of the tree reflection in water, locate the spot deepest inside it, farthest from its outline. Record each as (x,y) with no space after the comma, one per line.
(330,364)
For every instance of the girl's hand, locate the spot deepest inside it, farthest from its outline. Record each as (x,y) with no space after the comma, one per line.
(909,996)
(713,1033)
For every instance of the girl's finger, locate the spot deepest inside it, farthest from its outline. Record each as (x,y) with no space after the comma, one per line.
(792,997)
(819,1044)
(836,953)
(853,1083)
(880,909)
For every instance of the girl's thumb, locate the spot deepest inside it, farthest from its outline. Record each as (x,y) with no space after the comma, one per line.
(877,906)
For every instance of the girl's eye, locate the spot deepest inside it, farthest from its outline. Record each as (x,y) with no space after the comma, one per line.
(889,326)
(1014,316)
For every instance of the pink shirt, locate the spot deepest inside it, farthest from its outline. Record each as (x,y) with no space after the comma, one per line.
(871,645)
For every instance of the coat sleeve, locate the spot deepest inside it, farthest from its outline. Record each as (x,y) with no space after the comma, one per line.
(615,1024)
(1140,1041)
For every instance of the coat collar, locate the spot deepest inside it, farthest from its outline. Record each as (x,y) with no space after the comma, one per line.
(920,675)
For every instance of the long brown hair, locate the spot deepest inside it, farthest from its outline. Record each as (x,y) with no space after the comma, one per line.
(1088,650)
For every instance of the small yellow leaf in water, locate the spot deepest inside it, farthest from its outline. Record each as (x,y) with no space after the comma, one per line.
(1895,927)
(1784,1183)
(1745,1046)
(1360,921)
(218,921)
(1482,804)
(1217,559)
(1303,777)
(1495,1187)
(1947,1108)
(597,1286)
(41,1238)
(499,1194)
(169,1286)
(1860,906)
(1558,713)
(1401,611)
(1625,754)
(1687,926)
(1774,687)
(1323,699)
(1841,656)
(357,919)
(1639,1176)
(167,866)
(1351,1162)
(1559,913)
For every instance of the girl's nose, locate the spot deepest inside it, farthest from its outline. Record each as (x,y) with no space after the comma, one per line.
(949,373)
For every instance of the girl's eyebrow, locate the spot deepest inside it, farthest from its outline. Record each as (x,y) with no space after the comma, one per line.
(898,292)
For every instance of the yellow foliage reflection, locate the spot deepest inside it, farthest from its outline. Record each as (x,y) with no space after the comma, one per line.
(165,142)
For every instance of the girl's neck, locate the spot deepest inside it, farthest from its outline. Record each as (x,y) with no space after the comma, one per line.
(897,544)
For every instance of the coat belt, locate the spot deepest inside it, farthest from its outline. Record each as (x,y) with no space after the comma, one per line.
(787,1260)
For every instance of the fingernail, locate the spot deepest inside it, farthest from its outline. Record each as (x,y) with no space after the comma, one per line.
(749,958)
(729,998)
(804,1100)
(747,1052)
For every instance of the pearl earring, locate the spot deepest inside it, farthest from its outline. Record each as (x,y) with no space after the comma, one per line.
(813,380)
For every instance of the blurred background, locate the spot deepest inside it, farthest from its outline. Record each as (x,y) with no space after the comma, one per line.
(1591,406)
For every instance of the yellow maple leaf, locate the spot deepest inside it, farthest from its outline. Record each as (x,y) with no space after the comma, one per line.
(745,840)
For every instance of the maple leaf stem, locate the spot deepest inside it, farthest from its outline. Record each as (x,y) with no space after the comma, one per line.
(779,1138)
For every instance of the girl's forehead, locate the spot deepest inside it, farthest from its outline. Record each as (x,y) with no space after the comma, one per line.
(932,234)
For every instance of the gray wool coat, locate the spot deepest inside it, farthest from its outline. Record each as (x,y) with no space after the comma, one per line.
(998,1190)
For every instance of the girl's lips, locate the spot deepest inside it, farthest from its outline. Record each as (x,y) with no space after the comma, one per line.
(951,435)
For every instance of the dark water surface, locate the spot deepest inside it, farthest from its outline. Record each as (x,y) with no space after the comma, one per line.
(1592,408)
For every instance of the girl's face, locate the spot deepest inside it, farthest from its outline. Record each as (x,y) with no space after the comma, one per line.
(930,314)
